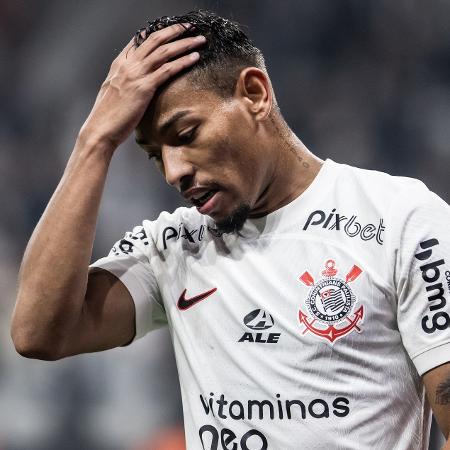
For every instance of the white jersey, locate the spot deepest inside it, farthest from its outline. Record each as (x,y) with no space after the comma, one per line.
(310,328)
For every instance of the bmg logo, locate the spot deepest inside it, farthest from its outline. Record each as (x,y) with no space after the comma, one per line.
(438,318)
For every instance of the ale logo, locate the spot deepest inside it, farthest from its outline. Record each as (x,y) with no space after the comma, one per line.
(259,320)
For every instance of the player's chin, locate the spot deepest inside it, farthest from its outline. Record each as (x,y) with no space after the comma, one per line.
(234,220)
(227,210)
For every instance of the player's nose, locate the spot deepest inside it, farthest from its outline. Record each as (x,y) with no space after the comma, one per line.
(176,166)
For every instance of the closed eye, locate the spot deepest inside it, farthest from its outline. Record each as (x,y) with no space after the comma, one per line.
(187,137)
(154,152)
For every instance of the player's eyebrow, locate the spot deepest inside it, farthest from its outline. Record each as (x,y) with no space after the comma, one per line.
(165,126)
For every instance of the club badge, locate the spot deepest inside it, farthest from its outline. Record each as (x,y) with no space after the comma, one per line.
(330,304)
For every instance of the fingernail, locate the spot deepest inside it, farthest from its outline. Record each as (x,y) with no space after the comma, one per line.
(200,38)
(195,55)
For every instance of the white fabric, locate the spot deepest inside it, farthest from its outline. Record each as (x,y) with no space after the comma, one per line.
(345,316)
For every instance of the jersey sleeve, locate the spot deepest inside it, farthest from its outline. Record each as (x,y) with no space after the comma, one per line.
(422,276)
(130,261)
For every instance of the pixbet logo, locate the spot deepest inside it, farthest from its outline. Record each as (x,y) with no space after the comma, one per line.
(439,320)
(258,320)
(193,236)
(351,227)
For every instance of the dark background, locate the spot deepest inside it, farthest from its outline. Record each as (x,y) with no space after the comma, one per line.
(362,82)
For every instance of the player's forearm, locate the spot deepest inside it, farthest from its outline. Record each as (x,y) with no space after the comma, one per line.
(53,276)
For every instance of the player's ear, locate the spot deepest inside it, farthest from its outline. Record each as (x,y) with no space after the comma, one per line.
(254,89)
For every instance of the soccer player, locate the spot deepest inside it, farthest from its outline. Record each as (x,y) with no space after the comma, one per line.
(307,300)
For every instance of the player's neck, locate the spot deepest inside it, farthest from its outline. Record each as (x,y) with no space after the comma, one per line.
(294,169)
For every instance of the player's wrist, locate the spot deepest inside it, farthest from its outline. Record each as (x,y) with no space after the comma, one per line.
(90,141)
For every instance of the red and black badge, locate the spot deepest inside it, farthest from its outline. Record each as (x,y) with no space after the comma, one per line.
(331,304)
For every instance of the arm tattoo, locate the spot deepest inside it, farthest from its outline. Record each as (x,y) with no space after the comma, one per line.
(443,393)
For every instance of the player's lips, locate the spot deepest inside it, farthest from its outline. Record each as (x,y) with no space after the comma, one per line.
(211,204)
(200,196)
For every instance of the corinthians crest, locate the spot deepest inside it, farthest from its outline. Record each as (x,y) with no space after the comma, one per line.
(330,304)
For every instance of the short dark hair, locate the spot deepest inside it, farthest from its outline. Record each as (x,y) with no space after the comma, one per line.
(227,51)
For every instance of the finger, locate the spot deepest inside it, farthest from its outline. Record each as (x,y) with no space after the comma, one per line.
(123,53)
(161,37)
(166,52)
(170,69)
(127,47)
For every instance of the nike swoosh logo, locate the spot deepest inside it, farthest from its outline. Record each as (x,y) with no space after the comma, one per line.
(185,303)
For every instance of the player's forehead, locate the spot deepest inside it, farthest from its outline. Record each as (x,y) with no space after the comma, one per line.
(181,98)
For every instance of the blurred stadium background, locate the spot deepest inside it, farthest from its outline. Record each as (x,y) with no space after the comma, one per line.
(363,82)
